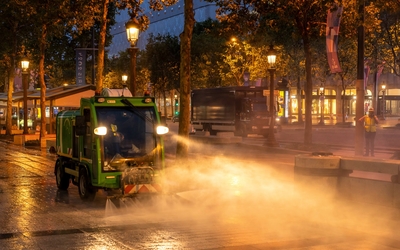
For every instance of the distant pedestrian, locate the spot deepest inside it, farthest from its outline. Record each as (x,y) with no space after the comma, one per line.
(370,121)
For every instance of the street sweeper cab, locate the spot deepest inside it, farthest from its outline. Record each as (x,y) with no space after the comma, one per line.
(112,142)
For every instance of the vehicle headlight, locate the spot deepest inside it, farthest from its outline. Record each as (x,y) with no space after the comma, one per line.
(100,131)
(162,130)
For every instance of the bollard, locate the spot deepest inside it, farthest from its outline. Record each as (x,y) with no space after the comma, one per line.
(318,171)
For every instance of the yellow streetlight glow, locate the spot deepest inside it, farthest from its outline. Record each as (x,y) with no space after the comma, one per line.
(124,78)
(132,31)
(24,64)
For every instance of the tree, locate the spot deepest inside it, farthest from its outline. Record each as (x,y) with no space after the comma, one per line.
(184,120)
(389,40)
(294,56)
(162,59)
(101,46)
(208,46)
(8,51)
(269,16)
(348,63)
(239,58)
(136,12)
(47,19)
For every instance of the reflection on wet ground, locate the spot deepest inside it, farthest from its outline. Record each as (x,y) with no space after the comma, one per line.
(210,203)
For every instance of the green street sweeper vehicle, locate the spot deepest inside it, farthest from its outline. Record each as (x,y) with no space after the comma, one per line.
(112,142)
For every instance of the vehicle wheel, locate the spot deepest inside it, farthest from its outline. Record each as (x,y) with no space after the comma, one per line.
(84,188)
(62,178)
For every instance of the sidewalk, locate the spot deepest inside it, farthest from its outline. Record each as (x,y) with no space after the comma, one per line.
(390,121)
(336,139)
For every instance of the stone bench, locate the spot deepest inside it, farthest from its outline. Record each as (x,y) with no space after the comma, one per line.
(21,139)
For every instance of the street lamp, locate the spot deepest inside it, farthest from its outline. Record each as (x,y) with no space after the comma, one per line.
(322,100)
(383,101)
(24,67)
(124,79)
(271,62)
(132,34)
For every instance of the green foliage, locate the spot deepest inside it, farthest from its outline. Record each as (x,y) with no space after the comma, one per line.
(387,46)
(120,65)
(208,46)
(136,11)
(162,58)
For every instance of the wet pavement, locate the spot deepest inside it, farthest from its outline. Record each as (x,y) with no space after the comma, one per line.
(339,140)
(222,207)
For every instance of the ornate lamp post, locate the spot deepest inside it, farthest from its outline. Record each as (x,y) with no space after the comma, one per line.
(271,62)
(24,67)
(322,100)
(383,101)
(132,34)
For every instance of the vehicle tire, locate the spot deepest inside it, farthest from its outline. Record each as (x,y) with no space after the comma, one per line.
(62,179)
(86,192)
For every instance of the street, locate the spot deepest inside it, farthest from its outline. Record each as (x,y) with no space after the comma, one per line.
(223,197)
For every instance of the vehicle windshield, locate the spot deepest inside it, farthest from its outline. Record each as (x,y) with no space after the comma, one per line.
(130,132)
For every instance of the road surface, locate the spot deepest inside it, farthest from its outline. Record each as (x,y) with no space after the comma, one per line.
(223,197)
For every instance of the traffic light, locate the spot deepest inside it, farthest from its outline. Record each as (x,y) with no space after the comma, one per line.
(176,107)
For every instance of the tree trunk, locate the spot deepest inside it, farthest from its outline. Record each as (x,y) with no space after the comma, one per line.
(10,91)
(299,102)
(308,92)
(42,46)
(172,104)
(343,103)
(102,42)
(165,104)
(186,38)
(11,76)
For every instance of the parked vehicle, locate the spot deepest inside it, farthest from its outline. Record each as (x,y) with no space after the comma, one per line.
(175,118)
(111,142)
(242,110)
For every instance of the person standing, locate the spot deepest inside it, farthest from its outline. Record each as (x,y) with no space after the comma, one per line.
(370,121)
